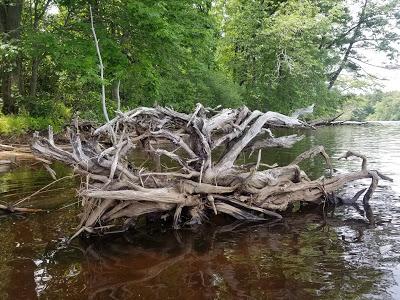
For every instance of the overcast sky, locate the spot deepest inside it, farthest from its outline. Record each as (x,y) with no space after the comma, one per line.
(375,62)
(390,78)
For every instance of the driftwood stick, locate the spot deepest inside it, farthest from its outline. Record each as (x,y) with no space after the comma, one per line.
(236,133)
(237,213)
(229,159)
(352,153)
(50,171)
(13,209)
(280,142)
(249,207)
(326,122)
(198,108)
(176,139)
(311,153)
(372,187)
(43,188)
(210,199)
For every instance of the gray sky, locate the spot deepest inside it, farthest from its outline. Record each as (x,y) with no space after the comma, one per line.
(390,77)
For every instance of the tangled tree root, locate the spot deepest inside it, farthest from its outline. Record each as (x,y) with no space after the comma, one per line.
(193,171)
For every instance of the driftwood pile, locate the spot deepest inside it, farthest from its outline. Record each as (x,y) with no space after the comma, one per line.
(194,170)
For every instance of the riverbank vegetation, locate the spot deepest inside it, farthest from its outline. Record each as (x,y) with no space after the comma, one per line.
(268,55)
(374,107)
(23,124)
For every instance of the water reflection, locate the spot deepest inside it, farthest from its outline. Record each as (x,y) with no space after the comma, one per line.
(351,252)
(299,259)
(28,177)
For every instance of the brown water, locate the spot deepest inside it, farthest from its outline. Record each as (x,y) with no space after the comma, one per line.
(302,257)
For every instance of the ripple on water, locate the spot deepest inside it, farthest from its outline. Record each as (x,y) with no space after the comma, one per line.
(301,258)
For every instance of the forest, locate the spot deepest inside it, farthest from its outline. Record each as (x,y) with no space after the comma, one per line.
(269,55)
(199,149)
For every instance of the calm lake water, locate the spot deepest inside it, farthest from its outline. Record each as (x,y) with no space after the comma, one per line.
(302,257)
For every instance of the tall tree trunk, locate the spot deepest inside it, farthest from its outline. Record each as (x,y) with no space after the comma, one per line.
(34,77)
(336,74)
(9,105)
(38,14)
(10,19)
(353,40)
(20,72)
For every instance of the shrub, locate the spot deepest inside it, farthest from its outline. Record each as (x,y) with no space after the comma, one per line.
(11,125)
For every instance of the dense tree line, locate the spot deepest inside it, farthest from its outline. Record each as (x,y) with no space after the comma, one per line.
(291,53)
(374,107)
(267,54)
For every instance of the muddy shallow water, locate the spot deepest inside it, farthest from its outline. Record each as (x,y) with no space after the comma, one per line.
(303,257)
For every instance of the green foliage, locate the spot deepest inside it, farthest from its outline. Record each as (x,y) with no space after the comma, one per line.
(272,50)
(387,108)
(11,125)
(270,55)
(46,107)
(357,108)
(378,106)
(288,54)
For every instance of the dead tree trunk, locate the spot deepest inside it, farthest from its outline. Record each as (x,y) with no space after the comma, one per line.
(192,180)
(10,23)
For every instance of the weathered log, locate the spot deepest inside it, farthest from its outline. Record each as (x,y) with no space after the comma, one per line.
(12,209)
(191,181)
(325,122)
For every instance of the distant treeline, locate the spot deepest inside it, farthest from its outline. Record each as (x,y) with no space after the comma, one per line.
(268,54)
(378,106)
